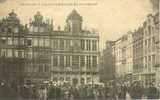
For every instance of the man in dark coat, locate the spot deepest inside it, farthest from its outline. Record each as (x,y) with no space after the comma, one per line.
(136,91)
(152,92)
(7,93)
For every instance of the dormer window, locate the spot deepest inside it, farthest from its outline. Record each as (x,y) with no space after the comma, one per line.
(74,22)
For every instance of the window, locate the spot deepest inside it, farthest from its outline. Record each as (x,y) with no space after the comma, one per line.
(67,61)
(41,29)
(88,62)
(16,53)
(61,44)
(55,60)
(94,59)
(29,54)
(15,30)
(149,29)
(55,44)
(61,60)
(29,42)
(46,42)
(46,68)
(35,29)
(68,43)
(20,54)
(89,79)
(41,68)
(88,45)
(41,42)
(3,40)
(3,52)
(9,41)
(21,41)
(82,64)
(153,60)
(35,42)
(83,44)
(9,53)
(75,61)
(9,30)
(94,45)
(15,41)
(82,81)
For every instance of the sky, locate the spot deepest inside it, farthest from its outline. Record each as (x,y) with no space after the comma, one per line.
(111,18)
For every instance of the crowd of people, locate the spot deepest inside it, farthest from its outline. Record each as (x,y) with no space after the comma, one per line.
(87,92)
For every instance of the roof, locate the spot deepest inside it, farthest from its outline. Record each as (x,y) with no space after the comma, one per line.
(74,15)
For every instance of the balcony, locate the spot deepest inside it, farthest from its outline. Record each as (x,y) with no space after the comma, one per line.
(71,69)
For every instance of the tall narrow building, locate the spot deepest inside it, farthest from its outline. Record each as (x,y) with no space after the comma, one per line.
(38,61)
(12,49)
(107,67)
(123,56)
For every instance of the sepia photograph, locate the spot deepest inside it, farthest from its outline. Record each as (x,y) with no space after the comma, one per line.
(79,50)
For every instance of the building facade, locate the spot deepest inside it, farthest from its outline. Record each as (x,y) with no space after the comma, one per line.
(107,63)
(157,43)
(123,52)
(36,52)
(150,52)
(137,54)
(75,53)
(12,49)
(38,63)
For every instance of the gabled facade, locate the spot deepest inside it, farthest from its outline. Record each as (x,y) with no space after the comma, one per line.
(12,49)
(43,54)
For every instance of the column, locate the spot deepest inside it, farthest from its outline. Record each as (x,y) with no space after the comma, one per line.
(71,60)
(91,58)
(58,60)
(64,44)
(91,45)
(79,61)
(58,46)
(64,60)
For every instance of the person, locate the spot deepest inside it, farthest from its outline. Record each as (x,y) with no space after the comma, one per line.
(41,93)
(122,93)
(44,91)
(95,93)
(52,93)
(152,92)
(8,93)
(136,91)
(34,93)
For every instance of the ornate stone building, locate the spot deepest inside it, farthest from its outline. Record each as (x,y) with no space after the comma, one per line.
(37,53)
(12,49)
(38,61)
(150,51)
(137,54)
(123,52)
(75,53)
